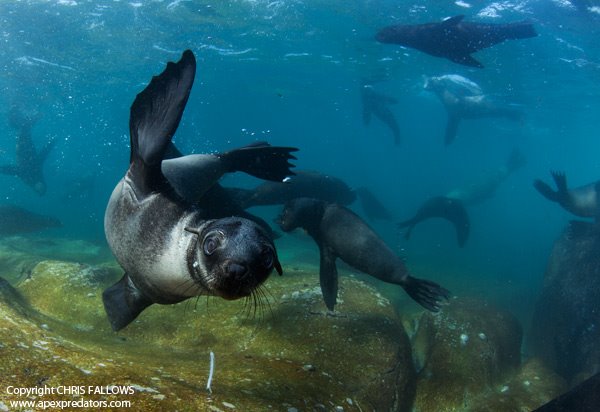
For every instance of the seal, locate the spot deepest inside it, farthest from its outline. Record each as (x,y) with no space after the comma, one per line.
(447,208)
(376,104)
(29,162)
(581,201)
(313,184)
(486,186)
(453,38)
(464,99)
(169,250)
(340,233)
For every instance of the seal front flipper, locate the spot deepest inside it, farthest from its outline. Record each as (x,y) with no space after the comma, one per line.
(451,128)
(466,60)
(425,292)
(155,115)
(261,160)
(328,277)
(123,302)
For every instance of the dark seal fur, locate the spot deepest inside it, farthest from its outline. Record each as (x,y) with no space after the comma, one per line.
(340,233)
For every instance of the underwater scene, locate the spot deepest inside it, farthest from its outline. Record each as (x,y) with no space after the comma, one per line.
(287,205)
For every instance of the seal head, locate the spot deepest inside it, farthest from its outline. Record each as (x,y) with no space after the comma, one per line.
(232,257)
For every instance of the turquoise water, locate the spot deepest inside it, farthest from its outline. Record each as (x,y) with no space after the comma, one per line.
(289,72)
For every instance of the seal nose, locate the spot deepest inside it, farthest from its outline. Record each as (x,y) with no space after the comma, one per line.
(235,270)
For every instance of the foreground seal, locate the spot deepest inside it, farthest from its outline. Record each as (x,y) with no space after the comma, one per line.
(340,233)
(170,251)
(582,201)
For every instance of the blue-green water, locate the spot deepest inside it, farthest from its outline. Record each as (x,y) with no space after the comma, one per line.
(289,72)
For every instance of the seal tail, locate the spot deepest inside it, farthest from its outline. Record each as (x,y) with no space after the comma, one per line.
(154,118)
(425,292)
(261,160)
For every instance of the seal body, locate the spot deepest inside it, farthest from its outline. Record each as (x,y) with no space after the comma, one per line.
(154,224)
(453,38)
(340,233)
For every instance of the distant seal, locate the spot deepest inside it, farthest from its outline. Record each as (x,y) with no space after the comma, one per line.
(464,99)
(583,201)
(452,210)
(340,233)
(163,241)
(453,38)
(313,184)
(376,104)
(29,162)
(15,220)
(485,187)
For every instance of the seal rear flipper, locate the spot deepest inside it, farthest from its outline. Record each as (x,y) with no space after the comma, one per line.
(261,160)
(328,277)
(410,224)
(560,179)
(123,302)
(425,292)
(154,117)
(451,129)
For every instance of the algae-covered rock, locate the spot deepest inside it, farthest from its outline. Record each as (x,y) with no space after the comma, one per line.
(284,352)
(565,332)
(532,386)
(462,351)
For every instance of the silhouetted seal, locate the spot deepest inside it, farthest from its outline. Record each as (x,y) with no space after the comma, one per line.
(376,104)
(340,233)
(453,38)
(29,162)
(169,249)
(452,210)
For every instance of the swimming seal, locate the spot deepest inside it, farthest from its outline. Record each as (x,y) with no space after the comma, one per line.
(29,162)
(582,201)
(447,208)
(464,99)
(169,250)
(340,233)
(454,38)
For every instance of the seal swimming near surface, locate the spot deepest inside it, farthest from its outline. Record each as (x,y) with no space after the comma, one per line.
(583,201)
(464,99)
(29,162)
(169,250)
(340,233)
(447,208)
(453,38)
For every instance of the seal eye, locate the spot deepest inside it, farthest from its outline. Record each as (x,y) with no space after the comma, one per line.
(267,258)
(211,243)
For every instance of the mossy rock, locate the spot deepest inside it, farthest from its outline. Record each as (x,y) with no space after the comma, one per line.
(290,353)
(463,351)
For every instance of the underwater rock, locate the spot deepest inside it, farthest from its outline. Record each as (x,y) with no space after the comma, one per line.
(565,330)
(280,351)
(533,385)
(462,351)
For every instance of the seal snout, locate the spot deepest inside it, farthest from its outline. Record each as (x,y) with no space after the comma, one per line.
(237,270)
